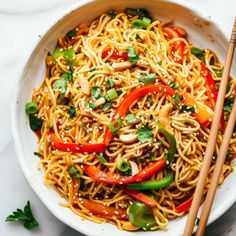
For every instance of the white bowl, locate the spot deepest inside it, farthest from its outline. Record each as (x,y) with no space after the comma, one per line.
(203,31)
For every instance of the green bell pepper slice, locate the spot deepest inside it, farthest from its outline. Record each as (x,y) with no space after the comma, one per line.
(153,184)
(141,215)
(172,143)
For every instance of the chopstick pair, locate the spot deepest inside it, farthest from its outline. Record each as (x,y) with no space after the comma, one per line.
(197,197)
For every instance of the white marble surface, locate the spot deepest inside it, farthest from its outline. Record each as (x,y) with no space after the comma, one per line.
(21,22)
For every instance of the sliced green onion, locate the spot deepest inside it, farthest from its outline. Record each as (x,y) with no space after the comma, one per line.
(71,34)
(106,106)
(115,125)
(146,22)
(123,165)
(74,172)
(112,94)
(101,158)
(31,107)
(137,24)
(188,108)
(173,85)
(58,52)
(69,55)
(35,122)
(177,99)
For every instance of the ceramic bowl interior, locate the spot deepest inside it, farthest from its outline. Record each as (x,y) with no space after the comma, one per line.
(202,30)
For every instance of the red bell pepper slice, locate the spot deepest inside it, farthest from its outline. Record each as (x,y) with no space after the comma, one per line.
(211,90)
(112,178)
(178,46)
(129,100)
(59,144)
(140,196)
(116,54)
(99,209)
(184,206)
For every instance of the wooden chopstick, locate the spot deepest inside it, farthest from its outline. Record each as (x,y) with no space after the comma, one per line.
(217,172)
(197,197)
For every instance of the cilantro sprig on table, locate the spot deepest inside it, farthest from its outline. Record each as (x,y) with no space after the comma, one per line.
(25,216)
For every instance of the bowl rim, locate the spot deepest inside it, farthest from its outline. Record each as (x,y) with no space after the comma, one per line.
(16,92)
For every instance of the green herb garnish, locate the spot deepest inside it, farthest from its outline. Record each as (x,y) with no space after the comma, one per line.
(72,111)
(133,57)
(115,125)
(74,173)
(123,165)
(37,154)
(112,14)
(219,73)
(111,94)
(62,83)
(173,85)
(71,34)
(110,82)
(31,107)
(92,69)
(101,158)
(228,105)
(176,99)
(145,134)
(137,36)
(106,106)
(25,216)
(188,108)
(95,92)
(90,104)
(147,79)
(35,122)
(200,54)
(131,118)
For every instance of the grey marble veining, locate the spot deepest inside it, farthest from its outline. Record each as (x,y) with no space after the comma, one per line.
(21,22)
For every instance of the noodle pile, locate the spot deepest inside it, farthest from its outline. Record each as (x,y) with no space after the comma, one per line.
(89,120)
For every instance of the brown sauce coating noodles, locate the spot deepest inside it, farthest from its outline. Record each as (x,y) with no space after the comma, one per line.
(88,125)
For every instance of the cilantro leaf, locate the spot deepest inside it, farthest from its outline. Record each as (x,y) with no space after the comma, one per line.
(95,92)
(147,79)
(145,134)
(131,118)
(25,216)
(159,62)
(62,83)
(133,57)
(72,111)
